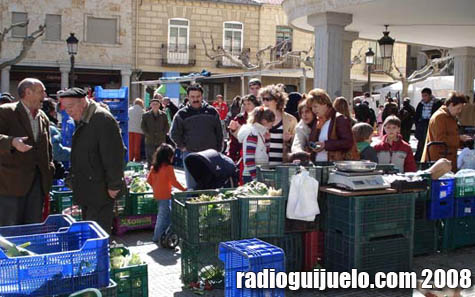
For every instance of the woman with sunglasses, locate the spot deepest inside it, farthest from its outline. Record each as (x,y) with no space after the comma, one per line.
(331,138)
(275,98)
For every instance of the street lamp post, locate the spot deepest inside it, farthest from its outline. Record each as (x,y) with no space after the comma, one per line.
(72,43)
(386,46)
(369,62)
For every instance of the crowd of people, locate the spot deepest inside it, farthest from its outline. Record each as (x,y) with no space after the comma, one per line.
(266,127)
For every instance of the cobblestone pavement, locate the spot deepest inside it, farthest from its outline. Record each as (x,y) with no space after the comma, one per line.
(164,268)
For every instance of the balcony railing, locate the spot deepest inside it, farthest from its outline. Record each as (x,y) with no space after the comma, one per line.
(291,62)
(178,55)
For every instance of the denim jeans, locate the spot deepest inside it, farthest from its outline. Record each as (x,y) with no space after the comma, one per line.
(163,218)
(190,181)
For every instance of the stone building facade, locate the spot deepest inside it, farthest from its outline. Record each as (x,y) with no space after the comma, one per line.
(161,52)
(163,38)
(104,31)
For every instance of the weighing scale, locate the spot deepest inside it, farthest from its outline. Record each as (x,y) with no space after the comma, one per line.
(357,181)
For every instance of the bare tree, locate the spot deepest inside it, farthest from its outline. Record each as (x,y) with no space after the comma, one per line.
(432,68)
(243,60)
(27,42)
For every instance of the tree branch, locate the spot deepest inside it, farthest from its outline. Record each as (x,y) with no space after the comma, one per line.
(26,46)
(6,30)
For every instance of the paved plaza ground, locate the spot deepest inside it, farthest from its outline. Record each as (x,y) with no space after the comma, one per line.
(164,268)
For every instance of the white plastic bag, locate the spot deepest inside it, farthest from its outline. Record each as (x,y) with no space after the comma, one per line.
(303,197)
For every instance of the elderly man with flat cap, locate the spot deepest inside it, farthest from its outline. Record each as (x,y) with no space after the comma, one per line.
(26,157)
(97,157)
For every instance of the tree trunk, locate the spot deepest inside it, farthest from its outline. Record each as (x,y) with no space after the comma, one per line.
(405,88)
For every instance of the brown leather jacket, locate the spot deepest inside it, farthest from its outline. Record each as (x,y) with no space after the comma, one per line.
(340,144)
(17,170)
(442,127)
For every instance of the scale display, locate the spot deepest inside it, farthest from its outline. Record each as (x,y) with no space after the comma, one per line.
(355,183)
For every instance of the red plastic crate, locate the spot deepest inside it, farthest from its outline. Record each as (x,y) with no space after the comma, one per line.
(313,247)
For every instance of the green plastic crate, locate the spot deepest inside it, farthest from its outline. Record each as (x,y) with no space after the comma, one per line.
(458,232)
(267,176)
(60,200)
(140,204)
(323,172)
(132,281)
(365,217)
(426,232)
(465,186)
(204,222)
(133,166)
(292,244)
(262,216)
(381,254)
(284,175)
(200,263)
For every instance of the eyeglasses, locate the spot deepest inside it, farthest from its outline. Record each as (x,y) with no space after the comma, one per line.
(267,98)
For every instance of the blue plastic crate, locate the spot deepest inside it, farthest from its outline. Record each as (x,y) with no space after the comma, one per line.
(464,207)
(67,261)
(443,189)
(442,209)
(53,223)
(250,255)
(122,93)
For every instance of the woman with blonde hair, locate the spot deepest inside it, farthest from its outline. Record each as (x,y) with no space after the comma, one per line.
(282,132)
(331,138)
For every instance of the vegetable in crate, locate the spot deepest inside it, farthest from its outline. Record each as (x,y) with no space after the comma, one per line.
(255,188)
(139,185)
(13,250)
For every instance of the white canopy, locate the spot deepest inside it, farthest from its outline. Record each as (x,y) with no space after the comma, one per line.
(441,86)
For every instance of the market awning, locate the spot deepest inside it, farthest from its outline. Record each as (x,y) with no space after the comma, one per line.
(163,90)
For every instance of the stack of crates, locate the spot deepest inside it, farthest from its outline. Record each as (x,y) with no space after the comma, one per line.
(118,102)
(292,245)
(68,256)
(370,233)
(250,255)
(132,281)
(134,211)
(460,230)
(442,199)
(201,226)
(280,178)
(426,231)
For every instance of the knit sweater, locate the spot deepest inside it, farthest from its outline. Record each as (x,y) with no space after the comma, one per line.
(255,147)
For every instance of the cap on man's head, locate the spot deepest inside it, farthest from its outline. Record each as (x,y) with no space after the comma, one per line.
(73,93)
(155,100)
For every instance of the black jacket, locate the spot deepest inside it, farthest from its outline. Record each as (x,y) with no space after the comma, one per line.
(97,157)
(197,129)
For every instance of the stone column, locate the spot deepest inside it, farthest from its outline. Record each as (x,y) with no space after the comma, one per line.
(126,73)
(347,85)
(464,70)
(329,35)
(64,69)
(5,79)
